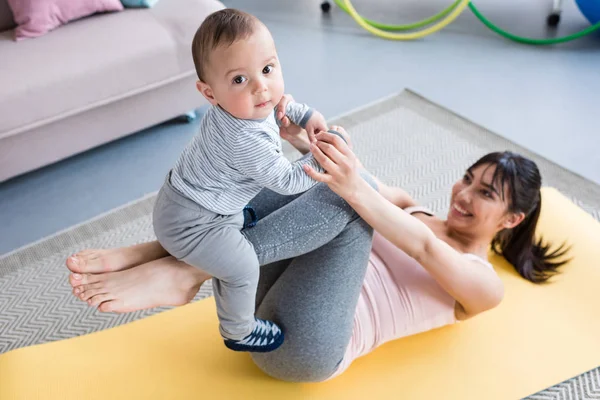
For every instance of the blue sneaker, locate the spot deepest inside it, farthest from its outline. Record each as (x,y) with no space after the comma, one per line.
(266,336)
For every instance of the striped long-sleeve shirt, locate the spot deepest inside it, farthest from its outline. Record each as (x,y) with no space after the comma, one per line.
(230,160)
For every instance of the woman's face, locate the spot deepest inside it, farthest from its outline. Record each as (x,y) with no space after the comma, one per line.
(478,207)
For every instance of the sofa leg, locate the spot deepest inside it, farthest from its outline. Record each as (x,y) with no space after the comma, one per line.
(189,116)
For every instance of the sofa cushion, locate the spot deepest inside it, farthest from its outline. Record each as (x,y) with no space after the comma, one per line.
(6,18)
(35,18)
(96,60)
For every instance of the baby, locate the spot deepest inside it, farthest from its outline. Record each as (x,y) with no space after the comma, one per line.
(199,212)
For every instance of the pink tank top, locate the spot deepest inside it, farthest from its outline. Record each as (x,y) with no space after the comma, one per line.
(398,298)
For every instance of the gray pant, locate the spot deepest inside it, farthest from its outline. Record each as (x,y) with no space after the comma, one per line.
(215,244)
(312,296)
(288,226)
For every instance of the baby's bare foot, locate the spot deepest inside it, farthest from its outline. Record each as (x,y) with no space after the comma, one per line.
(110,260)
(164,282)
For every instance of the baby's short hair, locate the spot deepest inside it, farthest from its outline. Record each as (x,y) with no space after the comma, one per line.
(222,27)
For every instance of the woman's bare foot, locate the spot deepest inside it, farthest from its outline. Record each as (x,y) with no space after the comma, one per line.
(111,260)
(164,282)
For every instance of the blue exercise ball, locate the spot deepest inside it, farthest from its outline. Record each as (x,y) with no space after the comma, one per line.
(590,9)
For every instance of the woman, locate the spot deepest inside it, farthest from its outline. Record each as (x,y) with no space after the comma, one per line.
(337,290)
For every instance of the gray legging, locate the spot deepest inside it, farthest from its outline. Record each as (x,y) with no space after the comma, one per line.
(314,251)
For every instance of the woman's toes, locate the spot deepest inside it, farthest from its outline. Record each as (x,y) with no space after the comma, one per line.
(84,279)
(75,279)
(90,286)
(86,294)
(90,261)
(73,263)
(99,298)
(107,306)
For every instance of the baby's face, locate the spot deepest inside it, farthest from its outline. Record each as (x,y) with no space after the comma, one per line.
(246,78)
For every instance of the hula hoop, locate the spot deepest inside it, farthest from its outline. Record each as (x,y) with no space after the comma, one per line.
(442,23)
(450,14)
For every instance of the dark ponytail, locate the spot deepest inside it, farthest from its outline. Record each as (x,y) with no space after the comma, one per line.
(531,258)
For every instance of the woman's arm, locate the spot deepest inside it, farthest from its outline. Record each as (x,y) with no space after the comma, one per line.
(395,195)
(474,287)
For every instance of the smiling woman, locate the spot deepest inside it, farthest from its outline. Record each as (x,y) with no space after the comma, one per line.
(516,181)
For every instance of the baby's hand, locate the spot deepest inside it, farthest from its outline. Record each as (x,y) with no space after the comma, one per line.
(315,124)
(281,107)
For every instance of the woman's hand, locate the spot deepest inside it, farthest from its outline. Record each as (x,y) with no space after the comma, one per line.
(339,162)
(314,125)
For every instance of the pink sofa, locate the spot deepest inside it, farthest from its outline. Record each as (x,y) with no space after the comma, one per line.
(94,80)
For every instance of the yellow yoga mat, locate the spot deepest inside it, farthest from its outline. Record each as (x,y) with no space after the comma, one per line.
(538,337)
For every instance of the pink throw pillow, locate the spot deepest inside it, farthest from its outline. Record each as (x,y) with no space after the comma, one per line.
(38,17)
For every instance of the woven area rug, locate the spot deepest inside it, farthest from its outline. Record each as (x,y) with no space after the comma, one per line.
(405,140)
